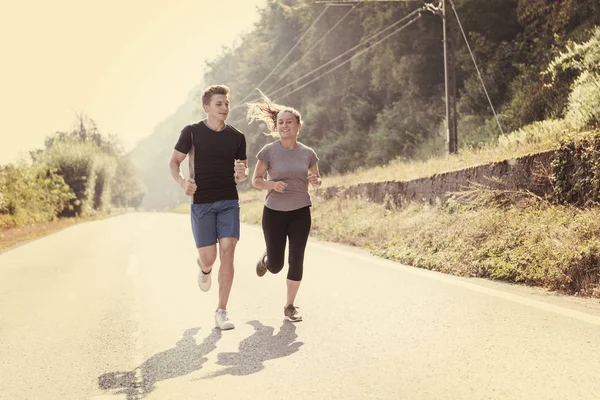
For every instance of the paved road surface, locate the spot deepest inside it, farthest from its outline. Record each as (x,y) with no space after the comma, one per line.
(111,310)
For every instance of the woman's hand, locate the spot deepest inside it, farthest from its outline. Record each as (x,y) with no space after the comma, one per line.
(278,186)
(314,180)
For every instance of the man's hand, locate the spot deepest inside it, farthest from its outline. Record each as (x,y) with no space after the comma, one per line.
(241,171)
(189,186)
(278,186)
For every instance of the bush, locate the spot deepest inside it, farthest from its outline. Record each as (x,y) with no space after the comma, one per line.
(583,60)
(86,170)
(30,194)
(576,168)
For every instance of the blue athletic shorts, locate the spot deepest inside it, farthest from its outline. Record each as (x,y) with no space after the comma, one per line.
(213,221)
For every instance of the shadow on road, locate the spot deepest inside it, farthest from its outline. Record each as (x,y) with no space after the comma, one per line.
(185,358)
(258,348)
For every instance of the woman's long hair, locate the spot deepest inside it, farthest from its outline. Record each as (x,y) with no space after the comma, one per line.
(267,111)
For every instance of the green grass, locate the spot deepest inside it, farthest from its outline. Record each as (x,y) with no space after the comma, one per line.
(535,138)
(538,244)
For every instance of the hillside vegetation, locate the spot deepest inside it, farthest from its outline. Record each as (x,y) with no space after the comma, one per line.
(387,104)
(79,173)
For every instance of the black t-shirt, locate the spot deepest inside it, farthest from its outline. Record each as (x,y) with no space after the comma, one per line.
(212,155)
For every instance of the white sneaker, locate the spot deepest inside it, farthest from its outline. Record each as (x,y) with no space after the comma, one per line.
(222,320)
(204,280)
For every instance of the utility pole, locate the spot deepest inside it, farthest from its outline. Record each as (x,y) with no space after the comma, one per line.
(450,77)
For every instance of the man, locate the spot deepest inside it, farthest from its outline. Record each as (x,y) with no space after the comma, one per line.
(217,158)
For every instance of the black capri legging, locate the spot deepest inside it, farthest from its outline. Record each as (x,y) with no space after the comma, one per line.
(279,225)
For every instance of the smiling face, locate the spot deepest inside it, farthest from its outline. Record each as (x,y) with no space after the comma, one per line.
(218,107)
(288,125)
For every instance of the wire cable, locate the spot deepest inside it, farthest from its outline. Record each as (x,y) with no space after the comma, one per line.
(287,55)
(287,71)
(417,11)
(354,56)
(476,68)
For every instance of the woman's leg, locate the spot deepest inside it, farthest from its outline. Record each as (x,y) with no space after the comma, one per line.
(274,226)
(292,291)
(298,232)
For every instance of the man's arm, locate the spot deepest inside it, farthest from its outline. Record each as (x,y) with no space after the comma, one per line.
(188,185)
(241,170)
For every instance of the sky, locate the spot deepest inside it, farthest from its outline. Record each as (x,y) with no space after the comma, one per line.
(127,64)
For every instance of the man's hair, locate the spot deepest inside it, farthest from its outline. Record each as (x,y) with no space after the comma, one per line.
(211,90)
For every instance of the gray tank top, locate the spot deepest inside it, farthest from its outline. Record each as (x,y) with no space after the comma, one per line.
(290,166)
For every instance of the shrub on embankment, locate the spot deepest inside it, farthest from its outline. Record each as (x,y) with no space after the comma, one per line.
(87,171)
(78,173)
(31,194)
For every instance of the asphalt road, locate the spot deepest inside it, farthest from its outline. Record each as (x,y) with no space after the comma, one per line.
(111,310)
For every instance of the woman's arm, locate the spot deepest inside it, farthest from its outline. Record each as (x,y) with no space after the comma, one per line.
(258,179)
(314,177)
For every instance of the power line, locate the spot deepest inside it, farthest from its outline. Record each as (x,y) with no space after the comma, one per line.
(476,68)
(417,11)
(286,56)
(312,48)
(354,56)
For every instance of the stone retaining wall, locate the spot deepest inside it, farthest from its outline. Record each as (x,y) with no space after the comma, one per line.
(523,173)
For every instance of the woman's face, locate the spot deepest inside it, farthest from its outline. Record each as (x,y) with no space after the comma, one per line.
(287,125)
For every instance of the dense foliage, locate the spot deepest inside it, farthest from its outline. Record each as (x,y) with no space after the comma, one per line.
(77,173)
(388,102)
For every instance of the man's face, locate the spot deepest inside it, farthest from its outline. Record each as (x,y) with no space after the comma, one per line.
(218,108)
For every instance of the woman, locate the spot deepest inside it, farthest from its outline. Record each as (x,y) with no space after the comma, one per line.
(289,166)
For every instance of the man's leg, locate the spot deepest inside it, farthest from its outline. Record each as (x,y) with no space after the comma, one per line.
(226,270)
(206,257)
(228,234)
(204,228)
